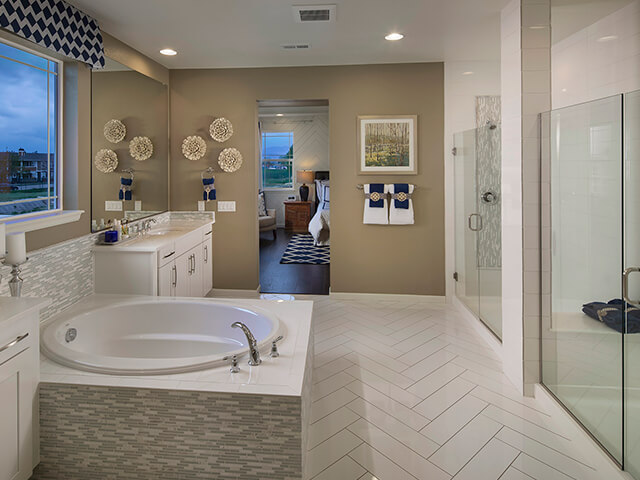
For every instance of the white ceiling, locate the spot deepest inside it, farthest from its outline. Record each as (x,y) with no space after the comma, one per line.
(249,33)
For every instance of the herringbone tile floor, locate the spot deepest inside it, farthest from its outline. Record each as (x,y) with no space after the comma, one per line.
(408,390)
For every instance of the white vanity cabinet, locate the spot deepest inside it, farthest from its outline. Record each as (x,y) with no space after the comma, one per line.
(19,377)
(180,266)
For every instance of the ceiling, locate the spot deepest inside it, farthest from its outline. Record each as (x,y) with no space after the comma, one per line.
(249,33)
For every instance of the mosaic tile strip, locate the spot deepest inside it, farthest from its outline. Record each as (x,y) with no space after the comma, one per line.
(91,432)
(488,150)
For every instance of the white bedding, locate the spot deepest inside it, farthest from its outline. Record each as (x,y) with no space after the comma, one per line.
(319,227)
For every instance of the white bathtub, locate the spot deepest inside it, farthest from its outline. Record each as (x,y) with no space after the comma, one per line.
(154,336)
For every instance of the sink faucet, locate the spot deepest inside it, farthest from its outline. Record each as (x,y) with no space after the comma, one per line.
(146,224)
(254,354)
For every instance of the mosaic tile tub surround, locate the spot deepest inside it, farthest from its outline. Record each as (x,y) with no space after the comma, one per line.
(206,424)
(92,432)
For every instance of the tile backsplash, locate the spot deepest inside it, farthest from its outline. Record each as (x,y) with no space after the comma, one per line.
(64,272)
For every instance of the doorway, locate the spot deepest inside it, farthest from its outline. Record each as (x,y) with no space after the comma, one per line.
(294,196)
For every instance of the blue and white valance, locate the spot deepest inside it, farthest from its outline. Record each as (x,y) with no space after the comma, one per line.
(56,25)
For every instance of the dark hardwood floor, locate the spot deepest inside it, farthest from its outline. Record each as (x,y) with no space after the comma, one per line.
(278,278)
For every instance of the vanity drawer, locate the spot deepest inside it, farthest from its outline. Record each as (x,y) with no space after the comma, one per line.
(188,241)
(166,254)
(15,340)
(207,232)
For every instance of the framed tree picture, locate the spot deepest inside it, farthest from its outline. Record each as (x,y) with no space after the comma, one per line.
(387,145)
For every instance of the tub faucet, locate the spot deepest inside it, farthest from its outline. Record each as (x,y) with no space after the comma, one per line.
(254,354)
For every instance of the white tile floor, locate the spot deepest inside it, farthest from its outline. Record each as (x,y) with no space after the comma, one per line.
(408,390)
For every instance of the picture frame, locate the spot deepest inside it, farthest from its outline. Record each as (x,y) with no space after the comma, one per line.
(387,145)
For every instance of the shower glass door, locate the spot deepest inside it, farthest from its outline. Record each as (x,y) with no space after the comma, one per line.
(478,224)
(467,221)
(632,260)
(582,324)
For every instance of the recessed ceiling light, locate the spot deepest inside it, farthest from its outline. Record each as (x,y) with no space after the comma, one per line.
(168,51)
(392,37)
(564,89)
(537,27)
(467,73)
(608,38)
(279,114)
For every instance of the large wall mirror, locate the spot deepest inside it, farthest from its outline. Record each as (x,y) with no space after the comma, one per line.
(130,145)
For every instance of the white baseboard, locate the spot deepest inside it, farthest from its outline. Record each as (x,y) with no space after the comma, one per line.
(232,293)
(387,296)
(605,466)
(478,326)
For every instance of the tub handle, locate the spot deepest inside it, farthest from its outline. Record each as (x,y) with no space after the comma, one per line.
(274,348)
(234,363)
(14,342)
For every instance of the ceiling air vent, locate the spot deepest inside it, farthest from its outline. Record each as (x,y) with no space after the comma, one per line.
(314,13)
(296,46)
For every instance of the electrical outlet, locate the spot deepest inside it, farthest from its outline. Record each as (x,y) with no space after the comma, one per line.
(138,205)
(201,205)
(226,206)
(113,206)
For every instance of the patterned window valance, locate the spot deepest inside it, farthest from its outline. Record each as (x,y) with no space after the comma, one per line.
(56,25)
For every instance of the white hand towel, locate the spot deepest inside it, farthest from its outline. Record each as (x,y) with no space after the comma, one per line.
(376,215)
(400,216)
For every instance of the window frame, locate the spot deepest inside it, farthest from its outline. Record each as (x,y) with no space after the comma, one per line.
(59,157)
(292,160)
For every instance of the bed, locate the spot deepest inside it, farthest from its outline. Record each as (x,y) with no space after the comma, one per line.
(319,226)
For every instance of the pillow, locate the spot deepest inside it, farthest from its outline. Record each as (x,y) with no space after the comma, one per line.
(320,190)
(262,207)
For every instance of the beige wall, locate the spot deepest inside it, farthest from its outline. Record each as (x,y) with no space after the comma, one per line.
(141,103)
(364,258)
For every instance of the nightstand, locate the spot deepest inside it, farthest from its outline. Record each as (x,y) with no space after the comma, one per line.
(297,216)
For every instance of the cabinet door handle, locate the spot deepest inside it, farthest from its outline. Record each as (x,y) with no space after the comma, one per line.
(206,254)
(14,342)
(174,270)
(194,263)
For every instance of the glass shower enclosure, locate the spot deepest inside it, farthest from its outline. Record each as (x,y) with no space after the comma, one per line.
(478,246)
(590,217)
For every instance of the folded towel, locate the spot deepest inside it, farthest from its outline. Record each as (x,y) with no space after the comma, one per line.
(616,314)
(376,204)
(401,211)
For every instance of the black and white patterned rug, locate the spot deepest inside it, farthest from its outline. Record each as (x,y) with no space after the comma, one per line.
(302,250)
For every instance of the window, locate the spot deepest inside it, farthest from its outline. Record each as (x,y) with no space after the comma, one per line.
(277,160)
(29,146)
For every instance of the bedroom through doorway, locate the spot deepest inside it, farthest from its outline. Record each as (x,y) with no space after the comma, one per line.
(294,196)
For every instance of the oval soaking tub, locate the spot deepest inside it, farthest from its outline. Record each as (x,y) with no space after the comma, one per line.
(154,336)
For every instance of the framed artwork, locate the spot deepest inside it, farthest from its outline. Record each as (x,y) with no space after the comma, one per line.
(387,145)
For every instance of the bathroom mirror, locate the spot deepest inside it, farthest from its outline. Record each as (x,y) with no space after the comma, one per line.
(120,94)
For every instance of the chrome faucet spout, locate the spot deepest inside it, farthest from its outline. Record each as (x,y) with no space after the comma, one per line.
(254,354)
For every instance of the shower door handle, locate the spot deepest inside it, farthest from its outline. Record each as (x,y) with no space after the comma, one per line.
(479,223)
(625,284)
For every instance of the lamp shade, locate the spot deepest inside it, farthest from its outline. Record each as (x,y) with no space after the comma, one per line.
(304,176)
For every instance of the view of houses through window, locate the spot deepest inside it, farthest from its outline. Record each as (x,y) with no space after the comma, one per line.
(277,160)
(28,132)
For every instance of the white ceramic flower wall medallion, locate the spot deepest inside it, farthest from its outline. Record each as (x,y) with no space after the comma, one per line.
(194,147)
(114,131)
(230,160)
(141,148)
(106,160)
(221,129)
